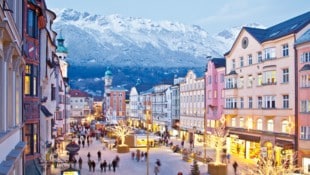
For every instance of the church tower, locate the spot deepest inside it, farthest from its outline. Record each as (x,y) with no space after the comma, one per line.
(106,97)
(62,53)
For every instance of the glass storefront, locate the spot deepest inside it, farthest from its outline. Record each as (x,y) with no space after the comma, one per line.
(243,148)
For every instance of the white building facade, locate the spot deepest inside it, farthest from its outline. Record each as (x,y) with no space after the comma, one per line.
(11,69)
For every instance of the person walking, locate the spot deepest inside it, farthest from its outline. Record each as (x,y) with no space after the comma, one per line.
(133,155)
(80,163)
(89,165)
(88,155)
(101,167)
(93,165)
(235,165)
(99,156)
(83,143)
(114,164)
(105,164)
(117,159)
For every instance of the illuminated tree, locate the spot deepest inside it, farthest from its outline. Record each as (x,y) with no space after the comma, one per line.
(218,140)
(122,131)
(269,166)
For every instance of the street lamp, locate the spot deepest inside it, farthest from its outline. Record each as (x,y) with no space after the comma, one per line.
(147,142)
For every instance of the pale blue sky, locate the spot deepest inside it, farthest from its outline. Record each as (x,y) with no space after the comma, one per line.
(212,15)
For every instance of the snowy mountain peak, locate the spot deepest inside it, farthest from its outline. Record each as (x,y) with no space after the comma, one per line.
(130,41)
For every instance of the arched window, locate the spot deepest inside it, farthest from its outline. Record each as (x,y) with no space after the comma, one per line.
(285,126)
(270,125)
(250,123)
(259,124)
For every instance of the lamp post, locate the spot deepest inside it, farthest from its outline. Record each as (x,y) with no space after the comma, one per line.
(147,142)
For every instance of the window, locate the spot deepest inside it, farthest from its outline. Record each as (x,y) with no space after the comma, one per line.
(241,102)
(53,92)
(305,106)
(285,102)
(215,93)
(270,125)
(285,75)
(233,64)
(259,102)
(30,81)
(250,81)
(241,122)
(250,61)
(269,102)
(230,83)
(250,123)
(231,103)
(305,80)
(241,62)
(32,23)
(250,103)
(209,94)
(305,132)
(285,126)
(209,79)
(240,83)
(259,57)
(259,79)
(270,53)
(285,50)
(269,77)
(259,124)
(305,57)
(233,122)
(31,138)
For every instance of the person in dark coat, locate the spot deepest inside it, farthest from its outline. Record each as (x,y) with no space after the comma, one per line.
(93,165)
(114,164)
(83,143)
(235,165)
(80,163)
(117,159)
(89,165)
(104,165)
(99,156)
(88,155)
(101,167)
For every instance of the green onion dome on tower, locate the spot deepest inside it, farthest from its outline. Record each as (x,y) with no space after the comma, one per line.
(60,44)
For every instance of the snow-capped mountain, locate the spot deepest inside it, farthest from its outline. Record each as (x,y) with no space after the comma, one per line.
(127,41)
(135,48)
(228,36)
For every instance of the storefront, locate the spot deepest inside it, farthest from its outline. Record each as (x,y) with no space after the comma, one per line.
(245,146)
(306,165)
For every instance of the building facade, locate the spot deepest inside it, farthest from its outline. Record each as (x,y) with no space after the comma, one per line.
(161,108)
(12,66)
(117,105)
(175,105)
(214,85)
(81,105)
(260,90)
(303,104)
(34,22)
(192,108)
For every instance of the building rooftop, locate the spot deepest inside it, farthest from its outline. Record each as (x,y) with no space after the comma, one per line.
(287,27)
(77,93)
(304,38)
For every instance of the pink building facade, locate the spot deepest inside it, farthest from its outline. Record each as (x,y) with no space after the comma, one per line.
(303,110)
(214,99)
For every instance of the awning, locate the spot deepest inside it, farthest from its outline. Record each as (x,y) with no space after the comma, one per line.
(45,111)
(252,138)
(284,144)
